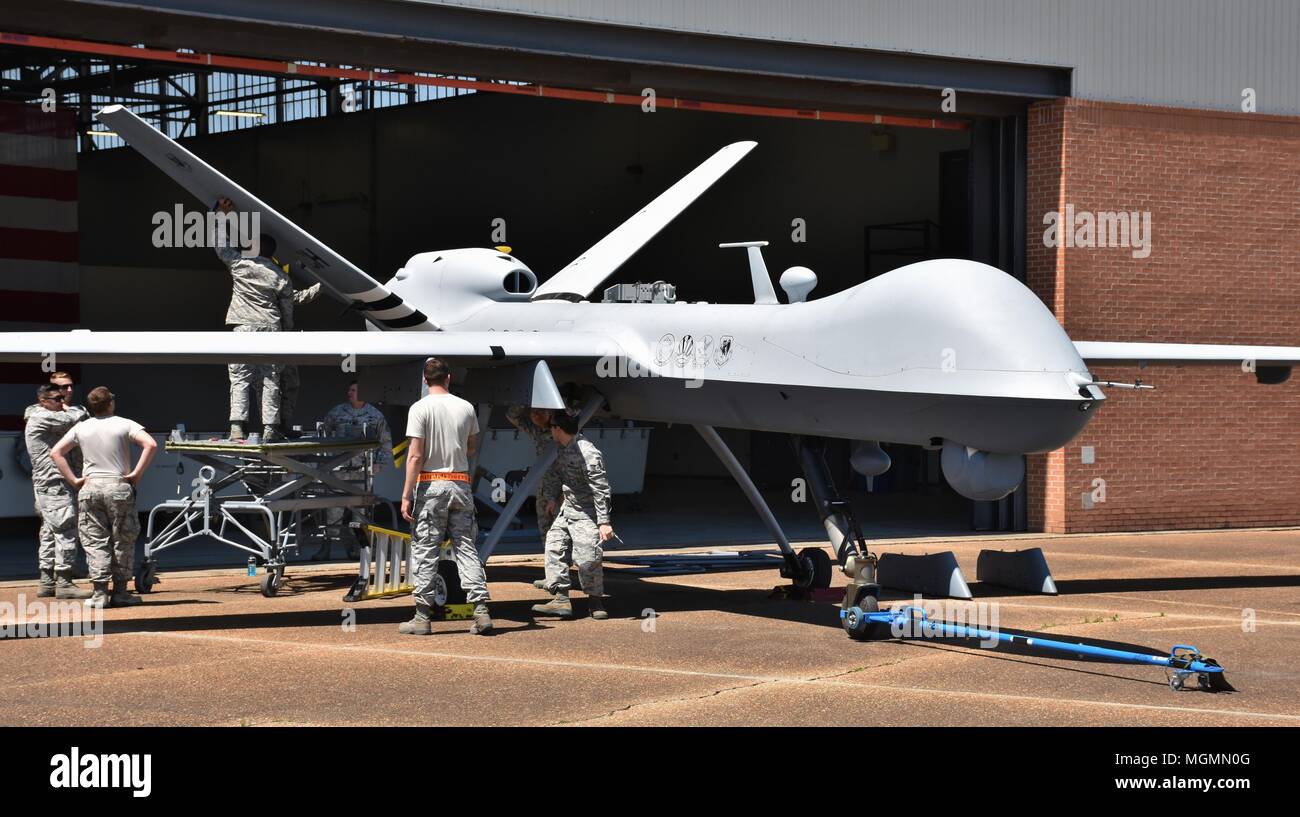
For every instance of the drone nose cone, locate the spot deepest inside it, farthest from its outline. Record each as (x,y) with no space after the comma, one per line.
(955,317)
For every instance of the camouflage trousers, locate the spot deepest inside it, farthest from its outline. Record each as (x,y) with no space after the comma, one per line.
(242,376)
(108,526)
(544,520)
(445,510)
(290,385)
(574,539)
(56,507)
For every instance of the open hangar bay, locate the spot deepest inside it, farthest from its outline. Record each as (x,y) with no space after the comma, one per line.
(386,177)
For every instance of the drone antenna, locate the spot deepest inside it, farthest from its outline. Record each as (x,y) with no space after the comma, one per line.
(763,291)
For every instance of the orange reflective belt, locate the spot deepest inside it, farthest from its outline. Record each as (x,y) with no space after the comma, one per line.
(454,476)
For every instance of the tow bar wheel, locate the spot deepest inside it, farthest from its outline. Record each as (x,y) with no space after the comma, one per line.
(858,626)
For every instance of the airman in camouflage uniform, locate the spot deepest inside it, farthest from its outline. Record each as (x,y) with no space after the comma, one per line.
(582,524)
(260,296)
(106,514)
(56,502)
(290,382)
(443,434)
(547,493)
(350,419)
(64,381)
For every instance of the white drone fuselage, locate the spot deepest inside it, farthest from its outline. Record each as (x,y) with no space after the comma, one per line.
(946,350)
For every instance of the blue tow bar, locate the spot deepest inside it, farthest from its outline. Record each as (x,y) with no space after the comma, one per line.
(1183,661)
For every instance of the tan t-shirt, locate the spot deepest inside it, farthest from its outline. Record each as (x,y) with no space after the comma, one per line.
(105,444)
(444,422)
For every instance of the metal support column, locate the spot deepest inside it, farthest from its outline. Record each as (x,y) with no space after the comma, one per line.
(201,112)
(711,436)
(822,487)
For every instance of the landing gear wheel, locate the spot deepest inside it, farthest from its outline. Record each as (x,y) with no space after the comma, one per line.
(146,576)
(272,581)
(451,577)
(816,569)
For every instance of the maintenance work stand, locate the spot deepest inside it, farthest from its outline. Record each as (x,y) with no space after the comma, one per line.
(268,492)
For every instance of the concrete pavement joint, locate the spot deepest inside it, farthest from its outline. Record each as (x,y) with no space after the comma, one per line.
(715,693)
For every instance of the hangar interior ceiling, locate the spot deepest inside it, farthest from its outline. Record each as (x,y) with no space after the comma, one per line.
(400,173)
(186,101)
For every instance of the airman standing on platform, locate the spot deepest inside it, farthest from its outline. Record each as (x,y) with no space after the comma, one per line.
(260,296)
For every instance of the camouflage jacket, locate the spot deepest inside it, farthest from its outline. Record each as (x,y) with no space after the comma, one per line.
(549,487)
(261,292)
(345,421)
(582,474)
(42,431)
(297,296)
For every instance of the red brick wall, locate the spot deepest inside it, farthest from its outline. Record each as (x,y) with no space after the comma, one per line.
(1210,447)
(1044,269)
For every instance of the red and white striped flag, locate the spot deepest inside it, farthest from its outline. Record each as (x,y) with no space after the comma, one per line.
(39,270)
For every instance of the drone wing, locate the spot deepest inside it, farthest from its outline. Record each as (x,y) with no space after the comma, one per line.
(1138,353)
(308,348)
(581,277)
(338,276)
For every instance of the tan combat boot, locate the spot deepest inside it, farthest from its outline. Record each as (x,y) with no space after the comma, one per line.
(419,625)
(65,589)
(596,606)
(46,588)
(558,606)
(100,597)
(482,621)
(122,597)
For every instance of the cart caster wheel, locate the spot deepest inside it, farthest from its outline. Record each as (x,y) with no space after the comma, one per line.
(146,576)
(816,566)
(271,583)
(1176,683)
